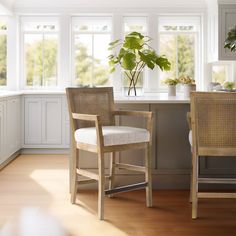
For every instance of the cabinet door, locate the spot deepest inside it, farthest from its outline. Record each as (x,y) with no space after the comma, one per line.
(65,123)
(227,20)
(2,131)
(52,121)
(33,121)
(13,125)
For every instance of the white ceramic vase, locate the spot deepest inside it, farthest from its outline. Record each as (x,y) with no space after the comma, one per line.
(187,88)
(171,90)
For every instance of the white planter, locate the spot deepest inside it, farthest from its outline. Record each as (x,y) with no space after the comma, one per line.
(171,90)
(187,88)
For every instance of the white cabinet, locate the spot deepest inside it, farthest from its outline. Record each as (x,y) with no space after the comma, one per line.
(66,123)
(2,130)
(227,19)
(44,125)
(33,121)
(10,127)
(51,121)
(13,125)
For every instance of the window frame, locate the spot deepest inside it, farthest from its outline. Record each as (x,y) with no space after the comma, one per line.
(41,19)
(73,33)
(198,57)
(229,70)
(5,19)
(146,71)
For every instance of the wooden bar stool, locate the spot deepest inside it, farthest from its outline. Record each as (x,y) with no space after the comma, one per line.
(92,117)
(213,124)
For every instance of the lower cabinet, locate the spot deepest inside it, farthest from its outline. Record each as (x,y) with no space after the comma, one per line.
(45,122)
(10,127)
(13,125)
(2,130)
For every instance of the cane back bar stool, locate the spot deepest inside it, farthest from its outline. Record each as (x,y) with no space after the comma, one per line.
(213,124)
(92,116)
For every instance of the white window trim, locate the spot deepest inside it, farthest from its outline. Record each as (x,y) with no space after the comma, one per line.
(229,69)
(6,32)
(74,33)
(146,70)
(198,47)
(22,71)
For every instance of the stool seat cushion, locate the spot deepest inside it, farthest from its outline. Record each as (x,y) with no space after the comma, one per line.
(113,135)
(190,138)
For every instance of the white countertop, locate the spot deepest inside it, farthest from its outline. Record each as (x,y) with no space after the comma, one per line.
(154,98)
(4,94)
(150,98)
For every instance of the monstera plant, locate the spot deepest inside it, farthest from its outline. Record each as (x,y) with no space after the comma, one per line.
(133,54)
(230,41)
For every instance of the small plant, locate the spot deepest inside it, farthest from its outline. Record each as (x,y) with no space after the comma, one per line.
(170,81)
(229,86)
(186,80)
(133,56)
(230,41)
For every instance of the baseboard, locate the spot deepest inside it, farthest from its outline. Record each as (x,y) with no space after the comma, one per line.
(10,159)
(45,151)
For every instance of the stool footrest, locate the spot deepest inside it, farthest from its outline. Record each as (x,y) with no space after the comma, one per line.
(126,188)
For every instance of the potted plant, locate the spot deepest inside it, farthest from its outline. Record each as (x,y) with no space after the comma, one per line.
(229,86)
(171,86)
(188,85)
(133,55)
(230,41)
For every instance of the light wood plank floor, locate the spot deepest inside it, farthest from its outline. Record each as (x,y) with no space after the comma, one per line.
(41,181)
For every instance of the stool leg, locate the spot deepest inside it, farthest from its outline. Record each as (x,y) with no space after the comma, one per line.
(191,180)
(112,171)
(73,174)
(195,186)
(101,185)
(148,176)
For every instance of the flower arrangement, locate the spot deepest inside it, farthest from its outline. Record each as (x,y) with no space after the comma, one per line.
(229,86)
(186,80)
(170,81)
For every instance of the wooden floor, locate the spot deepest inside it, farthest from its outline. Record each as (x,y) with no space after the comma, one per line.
(41,182)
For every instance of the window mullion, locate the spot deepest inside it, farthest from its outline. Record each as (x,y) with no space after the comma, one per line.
(43,79)
(177,56)
(91,82)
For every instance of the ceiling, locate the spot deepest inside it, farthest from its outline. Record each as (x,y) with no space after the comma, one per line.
(103,3)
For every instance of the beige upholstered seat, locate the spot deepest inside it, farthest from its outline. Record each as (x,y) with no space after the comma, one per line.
(112,135)
(190,137)
(213,125)
(92,116)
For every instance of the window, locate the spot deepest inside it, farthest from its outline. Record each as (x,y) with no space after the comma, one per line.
(135,23)
(179,42)
(91,38)
(138,24)
(3,53)
(222,72)
(40,51)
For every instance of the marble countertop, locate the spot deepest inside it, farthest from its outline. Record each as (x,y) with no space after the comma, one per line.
(147,98)
(154,98)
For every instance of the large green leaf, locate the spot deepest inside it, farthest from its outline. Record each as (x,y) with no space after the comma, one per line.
(163,63)
(129,61)
(147,59)
(132,42)
(136,34)
(122,53)
(230,41)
